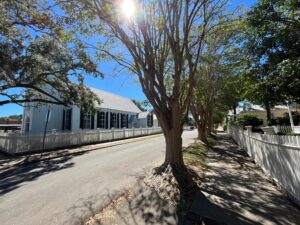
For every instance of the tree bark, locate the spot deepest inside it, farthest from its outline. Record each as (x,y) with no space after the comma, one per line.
(268,109)
(173,155)
(202,134)
(172,126)
(234,113)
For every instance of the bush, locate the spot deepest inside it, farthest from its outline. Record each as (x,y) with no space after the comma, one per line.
(249,119)
(291,133)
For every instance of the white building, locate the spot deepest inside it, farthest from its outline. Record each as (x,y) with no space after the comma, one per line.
(113,112)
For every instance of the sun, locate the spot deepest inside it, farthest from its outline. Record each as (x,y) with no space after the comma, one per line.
(128,8)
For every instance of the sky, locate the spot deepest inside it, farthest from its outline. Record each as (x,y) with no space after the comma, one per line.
(126,86)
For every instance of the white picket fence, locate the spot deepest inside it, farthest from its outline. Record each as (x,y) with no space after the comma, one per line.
(286,129)
(16,143)
(278,156)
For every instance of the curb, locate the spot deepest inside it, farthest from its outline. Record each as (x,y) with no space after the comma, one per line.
(38,157)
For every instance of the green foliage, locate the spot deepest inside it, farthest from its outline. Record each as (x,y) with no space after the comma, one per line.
(37,62)
(217,87)
(285,120)
(287,133)
(249,119)
(272,47)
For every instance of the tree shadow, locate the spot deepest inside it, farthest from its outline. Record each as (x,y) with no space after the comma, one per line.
(13,177)
(238,185)
(161,204)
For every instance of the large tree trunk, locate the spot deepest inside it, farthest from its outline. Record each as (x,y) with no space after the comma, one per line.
(209,123)
(172,126)
(174,155)
(202,134)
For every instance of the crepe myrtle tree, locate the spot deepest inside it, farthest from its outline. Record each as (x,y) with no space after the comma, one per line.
(162,42)
(37,62)
(215,89)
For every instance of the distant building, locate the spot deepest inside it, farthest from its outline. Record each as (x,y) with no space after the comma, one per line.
(10,125)
(279,111)
(114,112)
(147,119)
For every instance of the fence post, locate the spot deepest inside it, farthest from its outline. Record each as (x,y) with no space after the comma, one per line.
(113,133)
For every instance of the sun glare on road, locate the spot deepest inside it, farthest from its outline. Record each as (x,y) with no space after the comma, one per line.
(128,8)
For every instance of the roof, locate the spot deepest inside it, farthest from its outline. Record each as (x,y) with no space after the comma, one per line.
(116,102)
(143,115)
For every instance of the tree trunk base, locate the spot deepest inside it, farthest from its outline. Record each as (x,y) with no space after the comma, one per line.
(175,183)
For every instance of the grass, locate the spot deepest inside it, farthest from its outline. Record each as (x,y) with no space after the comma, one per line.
(195,155)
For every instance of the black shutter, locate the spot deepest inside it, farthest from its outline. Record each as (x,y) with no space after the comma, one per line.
(93,121)
(63,119)
(70,119)
(111,120)
(127,121)
(98,119)
(118,120)
(106,120)
(81,119)
(122,119)
(151,120)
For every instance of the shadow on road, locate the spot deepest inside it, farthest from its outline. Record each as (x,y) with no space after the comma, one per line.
(147,205)
(13,177)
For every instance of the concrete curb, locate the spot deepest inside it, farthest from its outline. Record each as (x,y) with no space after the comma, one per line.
(37,157)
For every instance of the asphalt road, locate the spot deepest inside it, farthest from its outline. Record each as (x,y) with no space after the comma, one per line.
(68,190)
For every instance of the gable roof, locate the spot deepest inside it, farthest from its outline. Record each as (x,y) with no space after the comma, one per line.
(116,102)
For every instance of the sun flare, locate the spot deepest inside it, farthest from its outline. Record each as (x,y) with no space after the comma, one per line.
(128,8)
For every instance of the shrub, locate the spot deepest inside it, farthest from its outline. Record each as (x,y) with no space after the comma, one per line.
(249,119)
(291,133)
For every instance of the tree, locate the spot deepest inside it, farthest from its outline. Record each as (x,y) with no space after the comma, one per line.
(215,91)
(36,64)
(162,46)
(272,46)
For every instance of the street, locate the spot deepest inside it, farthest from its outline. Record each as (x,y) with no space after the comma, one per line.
(67,190)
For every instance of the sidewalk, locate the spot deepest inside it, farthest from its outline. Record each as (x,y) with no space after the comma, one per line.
(236,191)
(9,161)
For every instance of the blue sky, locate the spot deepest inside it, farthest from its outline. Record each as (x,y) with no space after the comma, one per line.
(121,85)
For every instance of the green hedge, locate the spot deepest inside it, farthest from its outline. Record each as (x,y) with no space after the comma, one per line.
(249,119)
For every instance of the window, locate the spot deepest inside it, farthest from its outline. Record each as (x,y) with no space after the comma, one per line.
(86,120)
(114,120)
(101,120)
(124,121)
(150,120)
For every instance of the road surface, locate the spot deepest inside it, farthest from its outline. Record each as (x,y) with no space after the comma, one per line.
(67,190)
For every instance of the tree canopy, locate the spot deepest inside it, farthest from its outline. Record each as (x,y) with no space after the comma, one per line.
(272,49)
(37,63)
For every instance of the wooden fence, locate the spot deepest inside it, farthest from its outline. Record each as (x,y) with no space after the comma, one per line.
(287,129)
(278,156)
(17,143)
